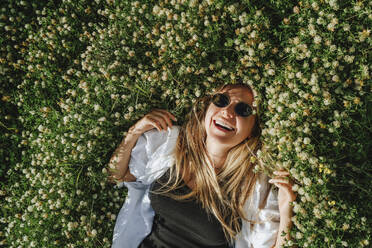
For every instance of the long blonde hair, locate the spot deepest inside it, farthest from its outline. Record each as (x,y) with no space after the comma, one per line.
(222,194)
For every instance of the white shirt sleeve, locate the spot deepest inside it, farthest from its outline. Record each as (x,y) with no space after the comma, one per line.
(263,210)
(150,158)
(152,154)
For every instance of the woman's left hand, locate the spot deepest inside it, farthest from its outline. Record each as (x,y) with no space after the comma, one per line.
(285,195)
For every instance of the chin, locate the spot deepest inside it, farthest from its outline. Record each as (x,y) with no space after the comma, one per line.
(222,139)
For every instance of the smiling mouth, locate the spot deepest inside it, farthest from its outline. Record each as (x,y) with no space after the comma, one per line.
(222,127)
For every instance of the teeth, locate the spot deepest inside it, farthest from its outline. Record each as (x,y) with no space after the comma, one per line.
(224,125)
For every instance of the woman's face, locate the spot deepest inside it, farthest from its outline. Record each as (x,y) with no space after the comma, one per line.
(241,127)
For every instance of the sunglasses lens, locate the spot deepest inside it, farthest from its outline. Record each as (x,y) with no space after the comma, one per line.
(243,109)
(220,100)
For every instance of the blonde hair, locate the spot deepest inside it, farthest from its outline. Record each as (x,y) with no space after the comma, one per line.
(222,194)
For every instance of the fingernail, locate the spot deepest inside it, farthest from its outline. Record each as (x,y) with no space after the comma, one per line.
(275,173)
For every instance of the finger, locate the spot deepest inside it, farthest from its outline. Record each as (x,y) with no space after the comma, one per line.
(279,180)
(165,117)
(284,186)
(287,189)
(170,115)
(154,123)
(162,120)
(281,173)
(283,177)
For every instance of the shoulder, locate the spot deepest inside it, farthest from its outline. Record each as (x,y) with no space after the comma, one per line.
(154,134)
(153,154)
(155,139)
(156,142)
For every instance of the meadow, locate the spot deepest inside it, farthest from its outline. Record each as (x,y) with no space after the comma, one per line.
(76,74)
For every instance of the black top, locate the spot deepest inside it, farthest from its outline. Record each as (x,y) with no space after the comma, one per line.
(182,224)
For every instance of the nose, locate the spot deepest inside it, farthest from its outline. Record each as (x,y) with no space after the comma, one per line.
(228,111)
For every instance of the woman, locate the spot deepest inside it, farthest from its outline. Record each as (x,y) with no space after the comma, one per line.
(194,186)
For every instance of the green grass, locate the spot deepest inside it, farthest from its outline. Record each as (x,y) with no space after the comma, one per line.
(75,75)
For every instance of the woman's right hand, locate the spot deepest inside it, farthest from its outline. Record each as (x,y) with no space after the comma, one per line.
(157,118)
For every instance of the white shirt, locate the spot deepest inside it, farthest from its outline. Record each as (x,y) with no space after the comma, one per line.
(150,159)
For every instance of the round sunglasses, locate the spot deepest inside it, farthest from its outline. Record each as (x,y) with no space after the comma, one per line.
(222,100)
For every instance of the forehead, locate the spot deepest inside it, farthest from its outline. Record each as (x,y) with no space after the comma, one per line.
(238,93)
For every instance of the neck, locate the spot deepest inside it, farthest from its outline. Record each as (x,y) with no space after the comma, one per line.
(216,153)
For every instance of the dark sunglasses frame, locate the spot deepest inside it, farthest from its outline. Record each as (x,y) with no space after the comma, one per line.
(241,108)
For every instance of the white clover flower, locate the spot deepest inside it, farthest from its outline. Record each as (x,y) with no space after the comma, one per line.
(333,4)
(83,218)
(307,130)
(336,78)
(345,226)
(279,109)
(315,6)
(307,140)
(331,27)
(296,208)
(317,39)
(271,72)
(317,213)
(346,27)
(301,191)
(164,76)
(253,34)
(293,116)
(295,187)
(357,7)
(261,46)
(327,101)
(41,128)
(96,107)
(336,124)
(232,8)
(296,10)
(197,93)
(303,156)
